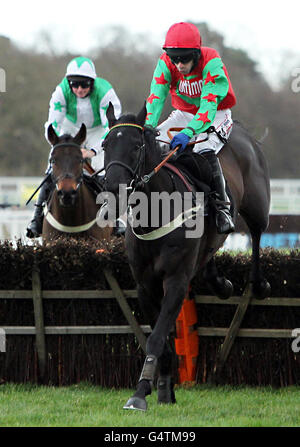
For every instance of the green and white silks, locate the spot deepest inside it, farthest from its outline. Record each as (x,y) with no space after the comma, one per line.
(67,112)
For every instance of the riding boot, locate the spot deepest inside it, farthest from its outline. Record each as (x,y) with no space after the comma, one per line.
(35,227)
(224,222)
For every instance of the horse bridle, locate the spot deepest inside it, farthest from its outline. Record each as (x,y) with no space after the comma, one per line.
(134,172)
(55,180)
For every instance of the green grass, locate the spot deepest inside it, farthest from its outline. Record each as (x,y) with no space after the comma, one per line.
(201,406)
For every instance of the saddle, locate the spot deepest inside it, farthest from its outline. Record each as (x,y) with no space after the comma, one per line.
(198,173)
(195,167)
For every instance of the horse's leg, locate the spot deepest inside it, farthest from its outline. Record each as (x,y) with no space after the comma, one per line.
(219,285)
(165,381)
(150,309)
(260,287)
(175,288)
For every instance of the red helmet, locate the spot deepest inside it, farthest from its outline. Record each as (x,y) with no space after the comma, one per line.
(183,35)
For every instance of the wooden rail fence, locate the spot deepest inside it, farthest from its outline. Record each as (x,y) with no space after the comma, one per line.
(230,334)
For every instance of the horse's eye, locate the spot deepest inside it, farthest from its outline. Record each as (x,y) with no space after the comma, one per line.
(52,161)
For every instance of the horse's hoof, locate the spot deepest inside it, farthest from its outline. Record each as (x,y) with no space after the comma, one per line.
(136,403)
(261,290)
(165,391)
(226,290)
(222,288)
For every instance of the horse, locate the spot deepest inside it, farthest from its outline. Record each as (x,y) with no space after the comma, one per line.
(164,266)
(71,209)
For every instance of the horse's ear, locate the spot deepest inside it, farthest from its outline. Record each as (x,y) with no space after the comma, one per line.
(141,117)
(110,115)
(52,136)
(81,135)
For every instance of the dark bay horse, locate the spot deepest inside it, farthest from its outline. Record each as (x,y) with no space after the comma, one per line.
(72,207)
(163,267)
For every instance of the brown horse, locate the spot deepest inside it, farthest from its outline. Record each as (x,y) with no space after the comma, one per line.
(164,266)
(72,208)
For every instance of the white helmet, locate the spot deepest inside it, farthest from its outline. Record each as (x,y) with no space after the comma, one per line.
(81,66)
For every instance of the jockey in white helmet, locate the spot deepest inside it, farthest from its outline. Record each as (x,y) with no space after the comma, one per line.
(81,97)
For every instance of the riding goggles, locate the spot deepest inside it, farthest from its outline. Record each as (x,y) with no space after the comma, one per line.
(77,84)
(184,59)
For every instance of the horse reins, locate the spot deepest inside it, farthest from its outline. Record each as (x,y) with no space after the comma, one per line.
(162,231)
(147,177)
(48,216)
(133,172)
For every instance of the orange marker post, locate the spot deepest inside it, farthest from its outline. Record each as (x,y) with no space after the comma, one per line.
(187,341)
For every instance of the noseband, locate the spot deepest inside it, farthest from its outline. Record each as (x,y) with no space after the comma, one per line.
(66,176)
(133,172)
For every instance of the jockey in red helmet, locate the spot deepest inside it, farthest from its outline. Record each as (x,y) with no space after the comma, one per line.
(202,97)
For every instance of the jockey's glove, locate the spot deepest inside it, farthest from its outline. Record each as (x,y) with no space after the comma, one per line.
(181,139)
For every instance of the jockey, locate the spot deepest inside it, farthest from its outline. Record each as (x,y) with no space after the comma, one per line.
(81,97)
(202,97)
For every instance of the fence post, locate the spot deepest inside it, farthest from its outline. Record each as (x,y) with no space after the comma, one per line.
(119,295)
(232,332)
(39,320)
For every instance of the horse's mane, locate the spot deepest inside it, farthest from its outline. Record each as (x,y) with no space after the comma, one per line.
(153,145)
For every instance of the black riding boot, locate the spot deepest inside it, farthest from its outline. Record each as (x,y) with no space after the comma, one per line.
(35,227)
(224,221)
